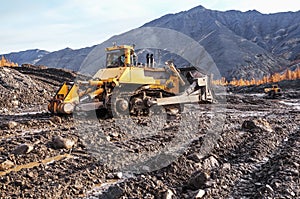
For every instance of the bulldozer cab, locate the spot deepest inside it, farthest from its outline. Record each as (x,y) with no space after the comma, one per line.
(120,56)
(275,88)
(273,91)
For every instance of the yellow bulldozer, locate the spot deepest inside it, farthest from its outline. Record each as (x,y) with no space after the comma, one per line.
(126,87)
(273,92)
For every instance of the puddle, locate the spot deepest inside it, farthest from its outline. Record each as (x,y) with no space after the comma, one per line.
(35,164)
(261,95)
(294,103)
(98,189)
(22,134)
(29,113)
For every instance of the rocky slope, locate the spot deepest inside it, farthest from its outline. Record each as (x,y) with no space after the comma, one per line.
(66,58)
(277,33)
(243,44)
(28,88)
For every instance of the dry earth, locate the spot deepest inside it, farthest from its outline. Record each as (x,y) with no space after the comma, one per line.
(243,147)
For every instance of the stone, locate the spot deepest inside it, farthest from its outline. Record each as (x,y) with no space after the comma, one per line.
(198,180)
(251,126)
(110,176)
(117,175)
(173,111)
(22,149)
(200,194)
(12,124)
(168,194)
(292,171)
(210,163)
(226,166)
(114,134)
(112,192)
(269,188)
(108,138)
(58,143)
(15,103)
(291,192)
(247,124)
(6,69)
(31,174)
(7,164)
(195,157)
(262,123)
(56,119)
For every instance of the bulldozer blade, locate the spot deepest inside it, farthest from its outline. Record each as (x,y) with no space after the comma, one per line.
(89,106)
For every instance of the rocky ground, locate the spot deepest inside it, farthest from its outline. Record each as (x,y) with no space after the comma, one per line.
(245,146)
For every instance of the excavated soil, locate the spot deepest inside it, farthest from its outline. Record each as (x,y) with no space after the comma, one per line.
(245,146)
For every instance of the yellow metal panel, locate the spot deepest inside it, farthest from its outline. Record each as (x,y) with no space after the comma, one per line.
(72,96)
(154,69)
(108,73)
(96,92)
(157,81)
(125,77)
(127,57)
(119,47)
(156,86)
(62,92)
(135,75)
(95,83)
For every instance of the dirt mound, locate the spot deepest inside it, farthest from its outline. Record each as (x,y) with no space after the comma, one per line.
(29,88)
(19,92)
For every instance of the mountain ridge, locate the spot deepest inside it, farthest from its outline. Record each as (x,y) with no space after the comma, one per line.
(242,44)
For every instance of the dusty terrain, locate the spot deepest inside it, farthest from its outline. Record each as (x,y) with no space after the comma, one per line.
(243,147)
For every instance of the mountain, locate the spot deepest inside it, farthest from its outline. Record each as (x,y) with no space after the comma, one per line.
(66,58)
(242,44)
(28,56)
(278,33)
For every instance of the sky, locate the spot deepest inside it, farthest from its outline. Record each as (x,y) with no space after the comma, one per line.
(56,24)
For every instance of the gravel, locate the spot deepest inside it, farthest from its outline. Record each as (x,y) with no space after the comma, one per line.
(246,147)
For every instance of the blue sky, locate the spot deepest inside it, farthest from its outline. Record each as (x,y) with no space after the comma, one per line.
(56,24)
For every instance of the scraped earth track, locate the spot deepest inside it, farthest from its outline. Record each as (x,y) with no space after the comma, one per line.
(253,154)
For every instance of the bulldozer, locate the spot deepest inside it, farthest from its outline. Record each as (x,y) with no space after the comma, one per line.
(273,92)
(127,87)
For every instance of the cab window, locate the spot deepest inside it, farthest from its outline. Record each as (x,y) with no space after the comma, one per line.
(115,58)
